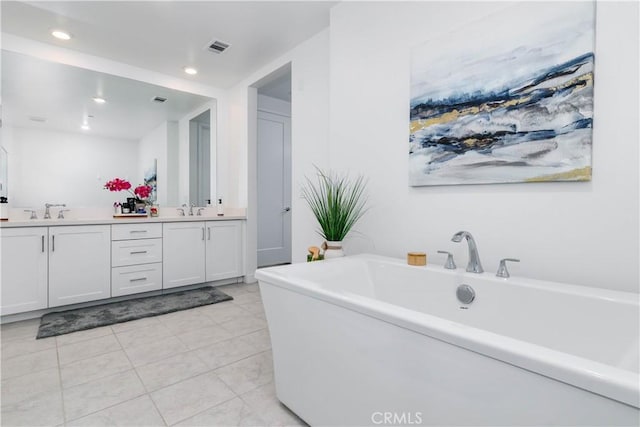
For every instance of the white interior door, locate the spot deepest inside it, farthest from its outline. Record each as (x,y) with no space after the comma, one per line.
(274,189)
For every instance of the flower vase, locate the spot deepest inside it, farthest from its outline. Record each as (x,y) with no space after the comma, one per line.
(332,249)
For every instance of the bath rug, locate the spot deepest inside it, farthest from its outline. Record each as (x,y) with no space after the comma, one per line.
(80,319)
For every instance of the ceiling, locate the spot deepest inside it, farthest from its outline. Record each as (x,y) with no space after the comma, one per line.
(165,36)
(62,95)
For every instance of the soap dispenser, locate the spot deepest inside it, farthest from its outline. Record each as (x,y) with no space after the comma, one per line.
(220,208)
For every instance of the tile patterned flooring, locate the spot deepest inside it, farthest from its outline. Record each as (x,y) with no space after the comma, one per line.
(207,366)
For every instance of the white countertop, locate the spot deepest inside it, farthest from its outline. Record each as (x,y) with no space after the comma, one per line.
(97,221)
(82,216)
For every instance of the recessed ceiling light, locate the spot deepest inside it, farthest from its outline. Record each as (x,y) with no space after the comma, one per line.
(190,70)
(99,100)
(62,35)
(85,127)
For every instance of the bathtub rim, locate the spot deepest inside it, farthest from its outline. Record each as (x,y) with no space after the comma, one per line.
(605,380)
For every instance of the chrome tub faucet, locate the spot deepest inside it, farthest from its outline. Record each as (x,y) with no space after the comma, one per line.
(474,265)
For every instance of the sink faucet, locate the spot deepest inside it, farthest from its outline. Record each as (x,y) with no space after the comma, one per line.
(184,205)
(47,212)
(474,265)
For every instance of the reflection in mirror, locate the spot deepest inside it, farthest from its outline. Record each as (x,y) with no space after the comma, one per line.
(3,172)
(63,145)
(199,156)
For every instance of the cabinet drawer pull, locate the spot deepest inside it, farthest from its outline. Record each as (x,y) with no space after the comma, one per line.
(138,252)
(43,243)
(139,279)
(208,233)
(138,231)
(202,233)
(53,243)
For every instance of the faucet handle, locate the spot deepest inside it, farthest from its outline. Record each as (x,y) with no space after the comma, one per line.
(450,264)
(61,213)
(180,211)
(33,213)
(502,268)
(199,213)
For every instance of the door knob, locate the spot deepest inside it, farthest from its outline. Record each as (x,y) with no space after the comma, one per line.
(287,209)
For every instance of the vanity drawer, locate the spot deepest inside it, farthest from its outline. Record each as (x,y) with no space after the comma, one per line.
(136,231)
(136,279)
(132,252)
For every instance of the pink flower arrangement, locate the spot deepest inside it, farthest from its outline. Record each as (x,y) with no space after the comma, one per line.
(117,184)
(141,192)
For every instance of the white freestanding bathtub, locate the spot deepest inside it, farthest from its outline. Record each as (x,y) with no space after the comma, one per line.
(369,340)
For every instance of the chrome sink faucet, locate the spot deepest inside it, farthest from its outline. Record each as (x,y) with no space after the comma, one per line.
(184,205)
(47,212)
(474,265)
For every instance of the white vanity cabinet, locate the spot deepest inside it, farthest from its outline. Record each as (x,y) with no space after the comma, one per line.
(48,265)
(197,252)
(24,269)
(136,258)
(79,264)
(183,253)
(223,250)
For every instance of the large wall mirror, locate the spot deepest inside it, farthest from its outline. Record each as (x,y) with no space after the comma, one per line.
(68,130)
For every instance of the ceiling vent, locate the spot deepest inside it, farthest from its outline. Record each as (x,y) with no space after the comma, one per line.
(159,99)
(217,46)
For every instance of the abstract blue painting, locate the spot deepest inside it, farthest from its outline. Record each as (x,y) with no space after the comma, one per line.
(510,102)
(151,179)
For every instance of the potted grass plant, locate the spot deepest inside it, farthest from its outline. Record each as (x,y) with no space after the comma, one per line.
(337,202)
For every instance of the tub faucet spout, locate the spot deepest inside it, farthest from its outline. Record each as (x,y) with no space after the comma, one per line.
(474,265)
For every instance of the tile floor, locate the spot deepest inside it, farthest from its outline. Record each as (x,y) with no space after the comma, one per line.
(208,366)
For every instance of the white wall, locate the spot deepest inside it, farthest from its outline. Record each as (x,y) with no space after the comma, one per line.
(309,140)
(71,168)
(582,233)
(273,105)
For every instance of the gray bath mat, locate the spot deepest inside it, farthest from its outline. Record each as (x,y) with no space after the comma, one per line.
(79,319)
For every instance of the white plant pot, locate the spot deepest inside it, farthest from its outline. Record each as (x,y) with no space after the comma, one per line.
(333,250)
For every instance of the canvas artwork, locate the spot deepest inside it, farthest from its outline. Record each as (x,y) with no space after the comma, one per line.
(510,102)
(151,179)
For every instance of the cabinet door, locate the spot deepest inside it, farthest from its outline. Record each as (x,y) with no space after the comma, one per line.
(183,245)
(79,264)
(224,249)
(24,269)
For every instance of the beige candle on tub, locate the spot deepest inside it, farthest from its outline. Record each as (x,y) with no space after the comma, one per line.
(416,258)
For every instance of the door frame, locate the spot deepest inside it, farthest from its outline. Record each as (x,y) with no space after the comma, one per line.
(251,241)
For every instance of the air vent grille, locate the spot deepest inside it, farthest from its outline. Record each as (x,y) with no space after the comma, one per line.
(217,46)
(159,99)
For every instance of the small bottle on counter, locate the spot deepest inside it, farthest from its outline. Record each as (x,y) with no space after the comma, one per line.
(4,209)
(220,208)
